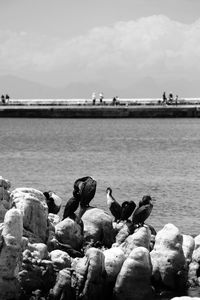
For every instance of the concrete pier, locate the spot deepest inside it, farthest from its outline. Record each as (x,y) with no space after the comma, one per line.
(98,111)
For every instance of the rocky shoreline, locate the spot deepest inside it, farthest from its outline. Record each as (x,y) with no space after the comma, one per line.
(89,256)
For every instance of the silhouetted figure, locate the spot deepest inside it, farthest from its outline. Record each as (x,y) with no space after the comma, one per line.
(71,206)
(164,98)
(101,97)
(143,211)
(93,98)
(114,207)
(171,98)
(127,209)
(53,202)
(86,187)
(3,99)
(176,100)
(7,98)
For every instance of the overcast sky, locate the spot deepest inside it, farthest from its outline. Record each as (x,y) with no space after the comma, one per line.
(58,42)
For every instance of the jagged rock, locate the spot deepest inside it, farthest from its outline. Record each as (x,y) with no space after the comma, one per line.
(10,254)
(122,234)
(38,250)
(69,232)
(134,280)
(54,219)
(60,259)
(188,247)
(98,227)
(33,206)
(140,238)
(168,259)
(63,288)
(90,275)
(196,252)
(36,274)
(5,183)
(192,274)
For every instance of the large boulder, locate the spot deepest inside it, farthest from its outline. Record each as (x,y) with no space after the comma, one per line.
(10,254)
(32,204)
(5,202)
(60,259)
(134,280)
(98,227)
(69,232)
(114,259)
(90,275)
(168,260)
(188,247)
(140,238)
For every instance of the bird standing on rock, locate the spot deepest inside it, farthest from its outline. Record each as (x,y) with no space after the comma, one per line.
(53,202)
(71,206)
(86,187)
(127,209)
(143,210)
(114,207)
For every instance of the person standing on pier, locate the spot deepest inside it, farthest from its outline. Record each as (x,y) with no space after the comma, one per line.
(94,98)
(164,98)
(101,97)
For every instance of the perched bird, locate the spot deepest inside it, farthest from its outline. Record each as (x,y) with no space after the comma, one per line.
(86,188)
(72,205)
(113,205)
(143,210)
(53,202)
(127,209)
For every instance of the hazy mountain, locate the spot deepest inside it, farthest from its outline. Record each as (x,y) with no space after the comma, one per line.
(146,87)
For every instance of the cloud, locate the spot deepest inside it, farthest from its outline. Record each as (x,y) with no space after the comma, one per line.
(154,46)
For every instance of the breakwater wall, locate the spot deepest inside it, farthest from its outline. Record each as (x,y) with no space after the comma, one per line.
(142,111)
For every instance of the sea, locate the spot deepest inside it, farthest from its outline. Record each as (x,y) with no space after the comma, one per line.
(135,157)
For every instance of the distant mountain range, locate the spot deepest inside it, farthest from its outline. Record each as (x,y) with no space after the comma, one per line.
(146,87)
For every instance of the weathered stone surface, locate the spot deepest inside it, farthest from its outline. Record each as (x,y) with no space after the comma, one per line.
(10,254)
(188,247)
(140,238)
(69,232)
(33,206)
(168,259)
(134,280)
(196,252)
(60,259)
(192,273)
(5,183)
(38,250)
(63,288)
(90,275)
(5,202)
(122,234)
(98,227)
(114,259)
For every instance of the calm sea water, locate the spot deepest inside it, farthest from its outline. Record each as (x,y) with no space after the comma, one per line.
(134,157)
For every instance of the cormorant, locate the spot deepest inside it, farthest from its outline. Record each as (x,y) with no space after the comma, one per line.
(127,209)
(143,211)
(113,205)
(53,202)
(86,187)
(72,205)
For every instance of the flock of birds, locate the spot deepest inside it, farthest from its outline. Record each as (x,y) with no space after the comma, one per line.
(84,191)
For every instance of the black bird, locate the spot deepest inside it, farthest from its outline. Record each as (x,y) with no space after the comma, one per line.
(143,210)
(86,188)
(113,205)
(53,202)
(72,205)
(127,209)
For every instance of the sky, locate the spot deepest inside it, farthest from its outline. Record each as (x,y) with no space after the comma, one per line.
(140,47)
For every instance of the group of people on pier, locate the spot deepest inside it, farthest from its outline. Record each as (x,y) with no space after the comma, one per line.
(5,99)
(170,99)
